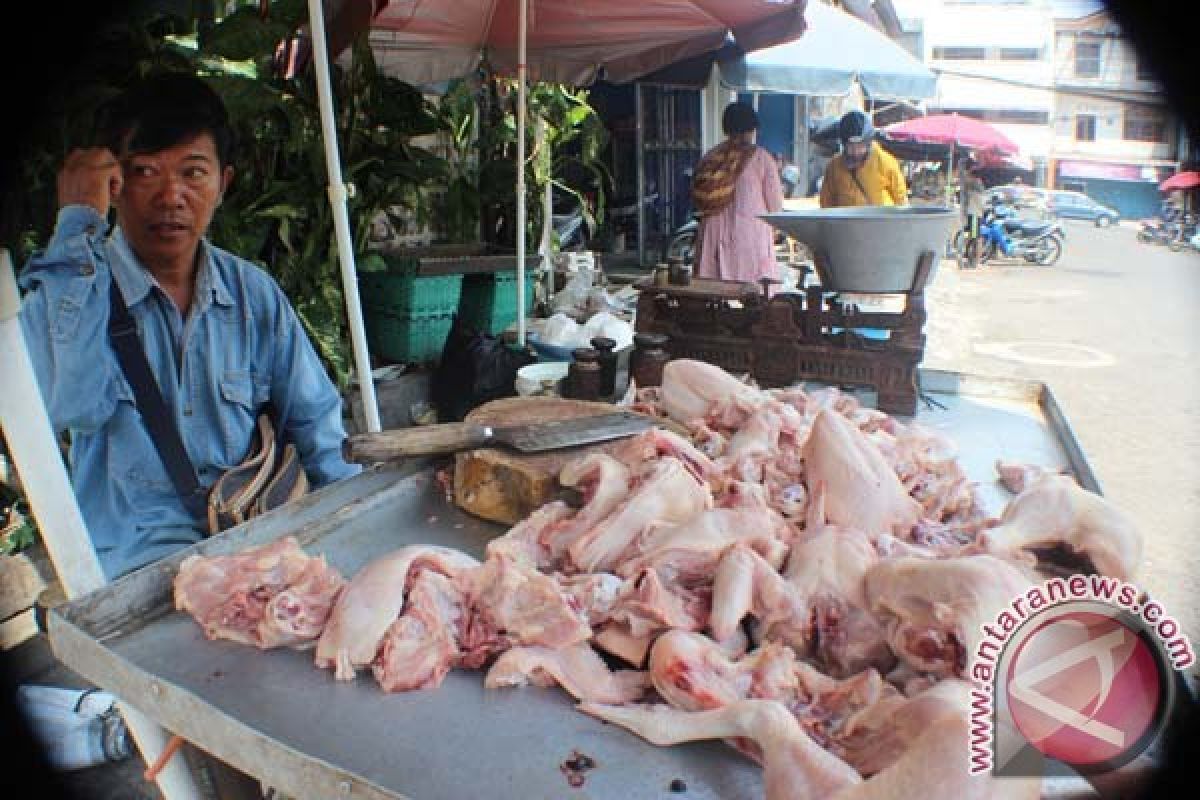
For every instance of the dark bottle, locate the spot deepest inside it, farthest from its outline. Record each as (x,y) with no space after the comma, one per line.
(679,273)
(649,358)
(583,376)
(606,348)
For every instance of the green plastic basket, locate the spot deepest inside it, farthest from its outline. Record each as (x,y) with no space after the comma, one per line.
(489,301)
(400,290)
(407,338)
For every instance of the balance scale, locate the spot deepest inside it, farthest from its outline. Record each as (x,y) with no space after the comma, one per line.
(784,338)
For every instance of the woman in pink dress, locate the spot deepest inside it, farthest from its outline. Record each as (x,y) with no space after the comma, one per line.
(734,183)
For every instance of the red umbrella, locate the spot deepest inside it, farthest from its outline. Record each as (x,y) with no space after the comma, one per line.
(951,129)
(1180,180)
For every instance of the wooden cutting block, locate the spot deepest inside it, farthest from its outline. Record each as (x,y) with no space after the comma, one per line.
(506,486)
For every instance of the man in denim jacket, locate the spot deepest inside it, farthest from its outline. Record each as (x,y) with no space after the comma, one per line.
(219,335)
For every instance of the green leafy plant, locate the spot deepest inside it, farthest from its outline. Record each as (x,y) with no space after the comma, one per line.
(458,112)
(568,155)
(278,210)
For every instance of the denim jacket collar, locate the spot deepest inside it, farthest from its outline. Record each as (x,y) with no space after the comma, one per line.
(136,281)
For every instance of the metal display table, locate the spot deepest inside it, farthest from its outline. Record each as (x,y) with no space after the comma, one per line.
(276,716)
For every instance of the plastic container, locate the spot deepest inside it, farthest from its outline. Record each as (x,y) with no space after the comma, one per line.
(400,290)
(407,338)
(549,352)
(74,739)
(489,301)
(544,378)
(89,702)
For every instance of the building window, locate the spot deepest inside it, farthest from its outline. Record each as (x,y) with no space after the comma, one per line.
(1020,53)
(1005,116)
(1013,117)
(960,53)
(1144,125)
(1087,59)
(1085,127)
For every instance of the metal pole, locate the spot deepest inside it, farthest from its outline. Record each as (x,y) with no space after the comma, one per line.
(521,67)
(546,247)
(805,146)
(341,218)
(639,107)
(35,452)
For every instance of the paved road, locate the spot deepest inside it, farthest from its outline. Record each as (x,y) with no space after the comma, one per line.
(1113,330)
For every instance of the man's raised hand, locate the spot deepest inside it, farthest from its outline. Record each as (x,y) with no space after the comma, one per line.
(89,177)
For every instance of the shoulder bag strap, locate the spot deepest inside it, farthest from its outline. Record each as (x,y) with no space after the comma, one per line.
(122,332)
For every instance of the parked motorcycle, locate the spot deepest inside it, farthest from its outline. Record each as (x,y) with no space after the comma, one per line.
(1171,226)
(1001,232)
(1183,232)
(683,241)
(1155,231)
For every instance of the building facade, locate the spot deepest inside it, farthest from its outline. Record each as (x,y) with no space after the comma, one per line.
(994,60)
(1058,78)
(1115,138)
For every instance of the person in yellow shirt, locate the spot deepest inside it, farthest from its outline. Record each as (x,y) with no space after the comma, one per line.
(863,174)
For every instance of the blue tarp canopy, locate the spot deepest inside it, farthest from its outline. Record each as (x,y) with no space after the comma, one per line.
(835,51)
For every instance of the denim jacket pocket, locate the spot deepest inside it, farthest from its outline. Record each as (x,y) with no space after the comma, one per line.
(244,395)
(68,308)
(133,457)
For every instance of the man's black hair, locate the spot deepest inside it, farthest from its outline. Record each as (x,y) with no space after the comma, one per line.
(163,110)
(739,118)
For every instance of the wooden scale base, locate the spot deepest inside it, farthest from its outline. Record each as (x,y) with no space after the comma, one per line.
(786,338)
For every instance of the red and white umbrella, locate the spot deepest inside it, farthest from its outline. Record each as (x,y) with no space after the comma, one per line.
(570,41)
(954,130)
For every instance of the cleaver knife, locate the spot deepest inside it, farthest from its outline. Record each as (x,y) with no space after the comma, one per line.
(427,440)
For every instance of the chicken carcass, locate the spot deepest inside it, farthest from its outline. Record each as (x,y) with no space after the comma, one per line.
(373,600)
(592,594)
(827,568)
(577,669)
(421,646)
(690,550)
(862,490)
(268,596)
(530,541)
(603,482)
(692,672)
(794,766)
(691,389)
(935,608)
(514,604)
(1017,477)
(665,493)
(656,443)
(746,583)
(933,767)
(647,605)
(1055,518)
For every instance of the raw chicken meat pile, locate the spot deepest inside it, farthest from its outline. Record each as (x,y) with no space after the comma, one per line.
(788,571)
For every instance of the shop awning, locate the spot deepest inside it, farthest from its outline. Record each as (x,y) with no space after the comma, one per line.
(836,51)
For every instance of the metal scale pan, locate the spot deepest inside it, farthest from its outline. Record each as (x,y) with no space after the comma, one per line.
(869,249)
